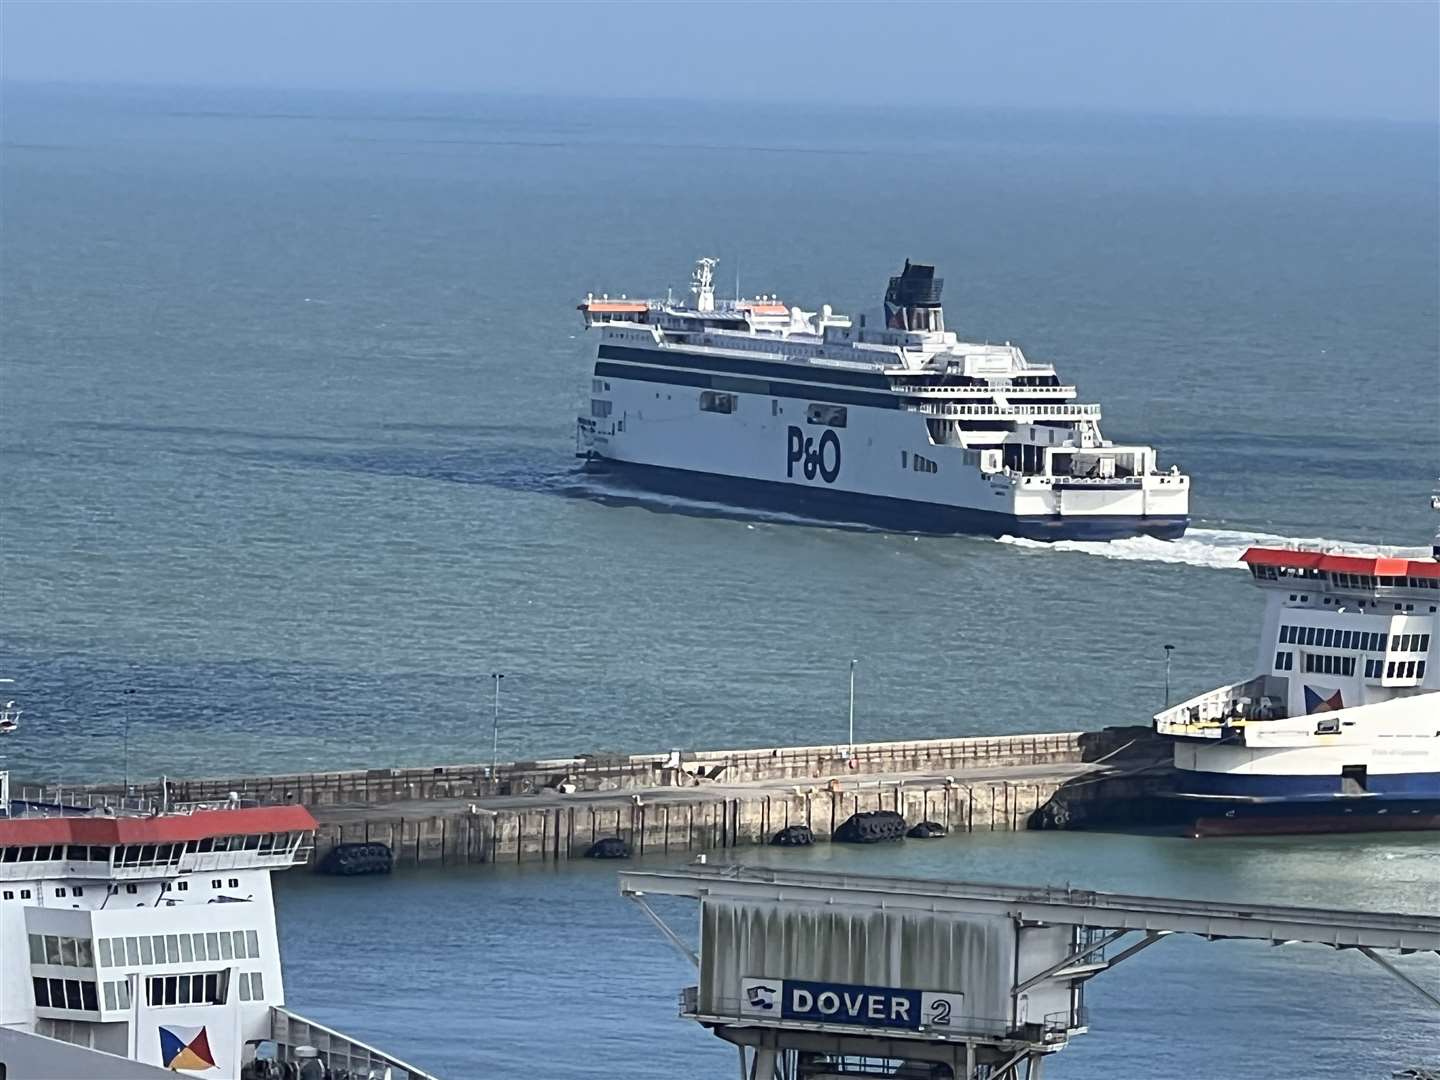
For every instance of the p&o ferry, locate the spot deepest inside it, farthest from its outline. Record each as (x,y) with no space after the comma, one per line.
(906,426)
(1339,730)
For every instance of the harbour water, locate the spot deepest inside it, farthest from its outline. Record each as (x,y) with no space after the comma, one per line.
(286,413)
(501,948)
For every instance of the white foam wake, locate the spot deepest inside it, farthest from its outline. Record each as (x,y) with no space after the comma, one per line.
(1216,549)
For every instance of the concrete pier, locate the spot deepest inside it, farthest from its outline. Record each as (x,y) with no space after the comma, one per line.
(675,802)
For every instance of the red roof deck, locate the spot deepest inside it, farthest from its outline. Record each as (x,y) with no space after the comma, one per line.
(164,829)
(1379,566)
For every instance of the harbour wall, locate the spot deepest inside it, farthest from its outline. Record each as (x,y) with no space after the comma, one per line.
(672,802)
(673,769)
(555,833)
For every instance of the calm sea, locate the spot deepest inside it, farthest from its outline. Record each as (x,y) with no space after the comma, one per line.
(286,428)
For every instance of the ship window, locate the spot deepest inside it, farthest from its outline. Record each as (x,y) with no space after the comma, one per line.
(1329,641)
(239,936)
(257,986)
(73,997)
(252,943)
(227,951)
(147,954)
(84,954)
(77,891)
(52,949)
(110,997)
(57,993)
(234,883)
(37,949)
(1390,670)
(829,415)
(24,894)
(42,992)
(132,952)
(1424,642)
(122,992)
(88,998)
(599,408)
(1420,669)
(716,402)
(212,945)
(1395,641)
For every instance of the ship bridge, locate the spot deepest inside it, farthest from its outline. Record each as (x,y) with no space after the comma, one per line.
(824,975)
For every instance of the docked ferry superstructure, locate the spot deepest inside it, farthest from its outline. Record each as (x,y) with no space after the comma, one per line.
(143,943)
(753,403)
(1340,728)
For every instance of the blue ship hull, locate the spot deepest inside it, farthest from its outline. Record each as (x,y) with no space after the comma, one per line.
(895,515)
(1233,804)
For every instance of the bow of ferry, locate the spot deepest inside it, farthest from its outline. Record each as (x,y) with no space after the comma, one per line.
(906,426)
(1339,729)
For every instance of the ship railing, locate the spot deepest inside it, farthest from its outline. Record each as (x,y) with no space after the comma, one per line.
(1228,707)
(1009,389)
(290,1031)
(1065,412)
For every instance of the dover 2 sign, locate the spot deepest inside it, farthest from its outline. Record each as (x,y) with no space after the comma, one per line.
(855,1006)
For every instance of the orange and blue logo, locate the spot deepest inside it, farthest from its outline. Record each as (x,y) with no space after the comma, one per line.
(1315,703)
(185,1048)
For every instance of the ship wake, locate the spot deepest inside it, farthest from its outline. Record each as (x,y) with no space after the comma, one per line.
(1215,549)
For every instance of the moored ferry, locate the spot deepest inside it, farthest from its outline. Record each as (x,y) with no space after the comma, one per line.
(140,941)
(907,427)
(1339,729)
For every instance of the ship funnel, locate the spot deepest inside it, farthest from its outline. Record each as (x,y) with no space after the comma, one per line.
(913,300)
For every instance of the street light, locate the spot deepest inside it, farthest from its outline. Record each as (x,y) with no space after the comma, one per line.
(495,735)
(1168,650)
(850,747)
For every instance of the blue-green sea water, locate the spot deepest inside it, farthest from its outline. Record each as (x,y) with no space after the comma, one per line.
(287,392)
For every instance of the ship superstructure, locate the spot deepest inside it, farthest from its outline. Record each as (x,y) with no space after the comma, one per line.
(1339,729)
(905,426)
(142,942)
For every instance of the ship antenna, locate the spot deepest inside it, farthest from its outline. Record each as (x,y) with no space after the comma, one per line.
(737,279)
(1435,505)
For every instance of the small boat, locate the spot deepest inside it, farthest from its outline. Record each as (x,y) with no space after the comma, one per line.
(9,715)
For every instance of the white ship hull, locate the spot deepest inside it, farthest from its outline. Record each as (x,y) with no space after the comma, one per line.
(881,468)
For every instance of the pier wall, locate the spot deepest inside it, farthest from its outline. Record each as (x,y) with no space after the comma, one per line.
(677,768)
(674,826)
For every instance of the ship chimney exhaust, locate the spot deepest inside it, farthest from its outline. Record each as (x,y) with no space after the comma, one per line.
(912,302)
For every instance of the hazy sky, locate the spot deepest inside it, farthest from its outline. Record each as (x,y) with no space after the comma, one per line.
(1298,58)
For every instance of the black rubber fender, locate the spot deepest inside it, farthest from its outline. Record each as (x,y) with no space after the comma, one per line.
(794,836)
(608,847)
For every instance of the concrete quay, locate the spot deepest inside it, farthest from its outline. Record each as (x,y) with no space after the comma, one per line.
(680,801)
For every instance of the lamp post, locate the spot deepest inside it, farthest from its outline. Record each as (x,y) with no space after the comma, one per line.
(850,746)
(1168,650)
(495,732)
